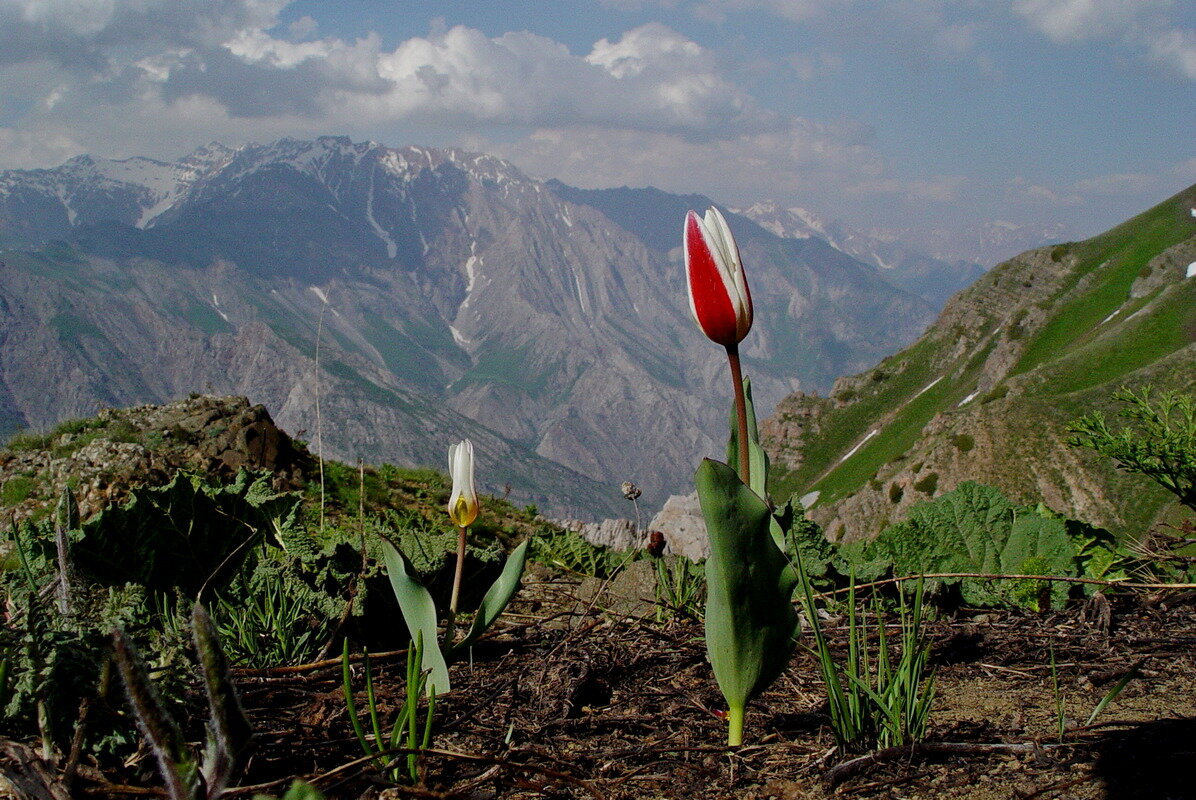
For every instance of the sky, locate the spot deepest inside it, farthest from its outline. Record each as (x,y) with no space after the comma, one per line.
(885,114)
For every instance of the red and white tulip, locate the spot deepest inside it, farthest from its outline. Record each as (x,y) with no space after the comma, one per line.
(718,294)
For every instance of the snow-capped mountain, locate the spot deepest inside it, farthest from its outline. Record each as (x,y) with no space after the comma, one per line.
(987,244)
(448,295)
(933,279)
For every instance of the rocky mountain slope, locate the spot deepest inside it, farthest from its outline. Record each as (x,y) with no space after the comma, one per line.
(388,301)
(985,394)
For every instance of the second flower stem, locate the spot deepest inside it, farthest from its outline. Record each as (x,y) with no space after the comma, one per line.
(449,632)
(745,470)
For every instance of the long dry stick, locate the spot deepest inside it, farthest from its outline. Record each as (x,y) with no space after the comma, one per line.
(993,576)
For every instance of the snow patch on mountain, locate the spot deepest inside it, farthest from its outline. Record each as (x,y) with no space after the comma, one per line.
(379,231)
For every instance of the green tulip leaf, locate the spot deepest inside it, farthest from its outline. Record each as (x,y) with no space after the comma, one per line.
(757,458)
(750,622)
(499,594)
(419,612)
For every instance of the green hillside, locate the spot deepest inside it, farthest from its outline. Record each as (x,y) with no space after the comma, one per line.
(986,392)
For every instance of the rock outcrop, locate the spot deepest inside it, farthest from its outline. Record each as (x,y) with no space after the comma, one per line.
(102,458)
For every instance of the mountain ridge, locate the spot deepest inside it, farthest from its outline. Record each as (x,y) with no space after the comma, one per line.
(446,292)
(1035,343)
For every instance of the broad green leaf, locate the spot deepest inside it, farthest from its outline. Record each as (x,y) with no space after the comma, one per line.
(419,612)
(975,528)
(499,594)
(750,622)
(184,535)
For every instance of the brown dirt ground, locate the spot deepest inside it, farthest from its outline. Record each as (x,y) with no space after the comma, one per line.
(584,695)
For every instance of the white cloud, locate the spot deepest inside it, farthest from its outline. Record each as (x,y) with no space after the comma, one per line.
(1176,49)
(804,159)
(83,34)
(793,10)
(31,149)
(1074,20)
(1186,170)
(1144,25)
(1023,192)
(651,79)
(809,66)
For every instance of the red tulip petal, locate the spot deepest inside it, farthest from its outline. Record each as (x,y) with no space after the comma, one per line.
(709,299)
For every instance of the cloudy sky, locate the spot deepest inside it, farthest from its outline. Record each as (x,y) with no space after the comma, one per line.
(884,113)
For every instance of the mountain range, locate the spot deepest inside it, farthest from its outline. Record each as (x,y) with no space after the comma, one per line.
(987,392)
(932,279)
(384,302)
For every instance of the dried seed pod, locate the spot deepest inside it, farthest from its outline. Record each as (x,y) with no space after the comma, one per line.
(630,490)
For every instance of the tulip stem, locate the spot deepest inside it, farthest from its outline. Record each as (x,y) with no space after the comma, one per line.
(745,470)
(735,726)
(449,633)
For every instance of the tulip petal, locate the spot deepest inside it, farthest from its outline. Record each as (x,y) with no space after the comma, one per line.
(718,293)
(463,502)
(710,293)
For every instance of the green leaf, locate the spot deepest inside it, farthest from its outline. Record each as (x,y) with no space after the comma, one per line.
(419,612)
(750,622)
(499,595)
(975,528)
(228,728)
(182,535)
(175,760)
(757,458)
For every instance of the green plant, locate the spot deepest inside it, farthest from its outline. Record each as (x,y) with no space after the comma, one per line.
(268,623)
(415,601)
(186,535)
(406,726)
(297,791)
(1060,697)
(680,587)
(1158,439)
(26,441)
(419,610)
(873,699)
(56,643)
(188,777)
(976,529)
(571,552)
(927,483)
(16,489)
(750,622)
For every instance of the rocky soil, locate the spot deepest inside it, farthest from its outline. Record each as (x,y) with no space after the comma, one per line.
(588,694)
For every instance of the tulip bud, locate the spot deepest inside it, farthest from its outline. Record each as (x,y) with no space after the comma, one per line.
(718,293)
(463,503)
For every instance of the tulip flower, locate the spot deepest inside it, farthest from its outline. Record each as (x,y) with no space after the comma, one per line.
(463,503)
(720,302)
(750,621)
(415,601)
(718,294)
(462,510)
